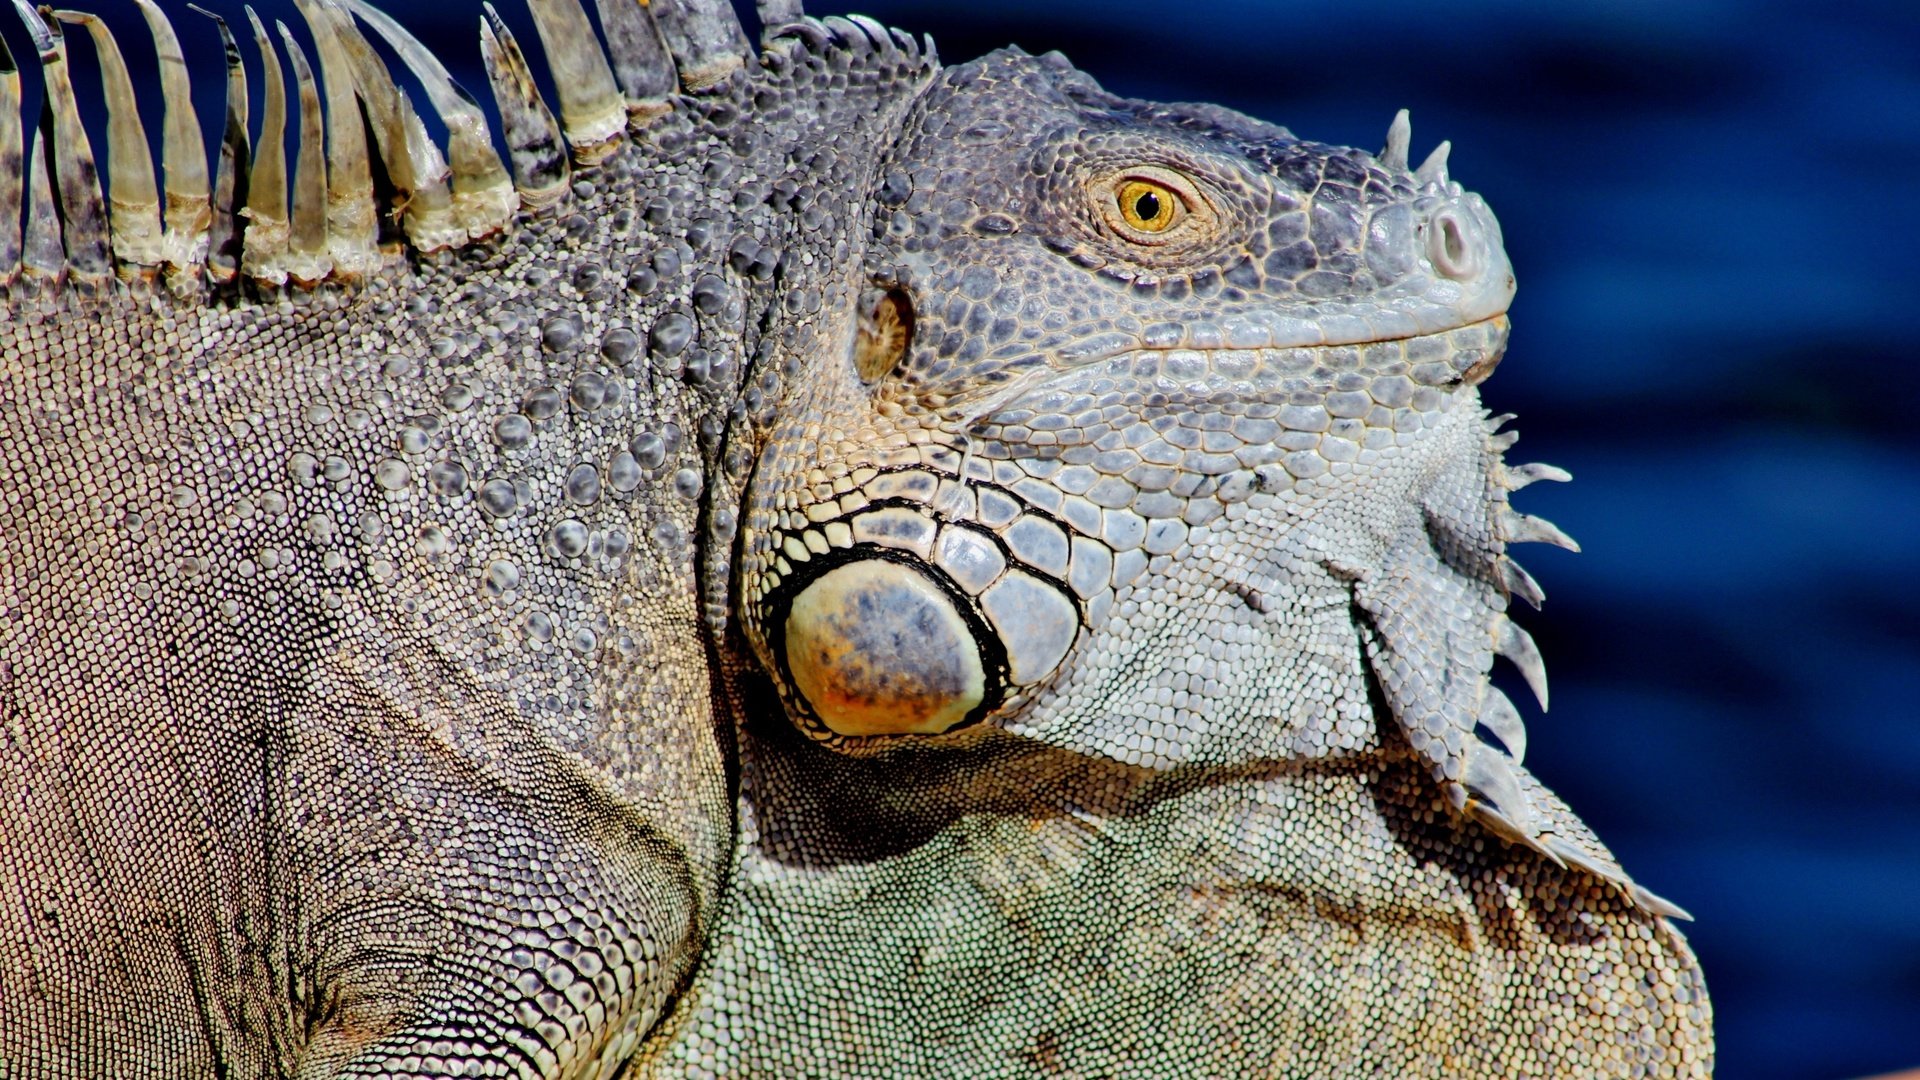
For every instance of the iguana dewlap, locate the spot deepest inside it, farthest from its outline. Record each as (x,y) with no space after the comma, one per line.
(814,563)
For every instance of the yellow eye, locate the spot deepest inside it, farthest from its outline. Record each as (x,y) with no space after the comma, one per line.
(1148,206)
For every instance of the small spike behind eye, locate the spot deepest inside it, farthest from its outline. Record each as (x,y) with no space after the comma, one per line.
(1517,646)
(83,210)
(13,168)
(225,233)
(42,261)
(264,256)
(541,168)
(640,59)
(1525,529)
(307,259)
(704,37)
(1399,134)
(775,14)
(353,226)
(591,108)
(133,197)
(484,200)
(183,154)
(1434,169)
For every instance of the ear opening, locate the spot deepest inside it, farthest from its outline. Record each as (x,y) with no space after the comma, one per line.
(885,334)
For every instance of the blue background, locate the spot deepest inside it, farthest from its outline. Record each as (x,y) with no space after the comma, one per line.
(1714,212)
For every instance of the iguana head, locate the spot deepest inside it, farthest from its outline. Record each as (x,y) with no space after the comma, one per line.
(1131,383)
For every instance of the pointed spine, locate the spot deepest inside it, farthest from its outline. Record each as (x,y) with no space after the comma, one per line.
(591,108)
(43,262)
(1515,477)
(183,156)
(13,168)
(266,234)
(876,33)
(226,233)
(1495,797)
(541,169)
(83,209)
(1647,900)
(1659,905)
(1501,718)
(352,220)
(1517,646)
(704,37)
(414,163)
(640,60)
(133,196)
(484,200)
(307,260)
(1520,583)
(1525,529)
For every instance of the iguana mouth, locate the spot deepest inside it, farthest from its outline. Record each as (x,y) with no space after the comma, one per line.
(1198,359)
(1471,350)
(1271,333)
(1252,333)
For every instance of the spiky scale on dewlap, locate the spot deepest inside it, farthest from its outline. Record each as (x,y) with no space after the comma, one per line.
(804,562)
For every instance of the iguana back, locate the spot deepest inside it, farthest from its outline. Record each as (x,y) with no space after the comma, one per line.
(815,563)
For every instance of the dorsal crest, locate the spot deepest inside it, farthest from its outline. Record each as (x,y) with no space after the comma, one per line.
(327,173)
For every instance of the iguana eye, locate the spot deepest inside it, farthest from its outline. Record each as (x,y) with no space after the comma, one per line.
(1148,206)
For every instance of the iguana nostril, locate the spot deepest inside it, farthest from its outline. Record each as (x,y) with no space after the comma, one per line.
(1455,245)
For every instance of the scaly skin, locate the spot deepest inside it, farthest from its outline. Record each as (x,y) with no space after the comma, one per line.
(831,595)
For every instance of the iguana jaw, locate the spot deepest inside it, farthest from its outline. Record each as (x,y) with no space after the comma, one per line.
(1369,403)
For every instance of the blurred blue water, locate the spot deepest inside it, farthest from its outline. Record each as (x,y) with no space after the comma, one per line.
(1713,207)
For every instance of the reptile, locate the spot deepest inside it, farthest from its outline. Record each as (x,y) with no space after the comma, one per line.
(813,562)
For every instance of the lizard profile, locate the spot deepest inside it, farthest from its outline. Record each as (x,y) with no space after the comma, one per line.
(814,563)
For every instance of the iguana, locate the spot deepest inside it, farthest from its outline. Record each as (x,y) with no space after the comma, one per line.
(815,563)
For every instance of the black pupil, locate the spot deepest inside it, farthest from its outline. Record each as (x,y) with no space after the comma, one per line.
(1147,206)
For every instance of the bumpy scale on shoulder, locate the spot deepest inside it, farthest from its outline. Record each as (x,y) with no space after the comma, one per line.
(809,563)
